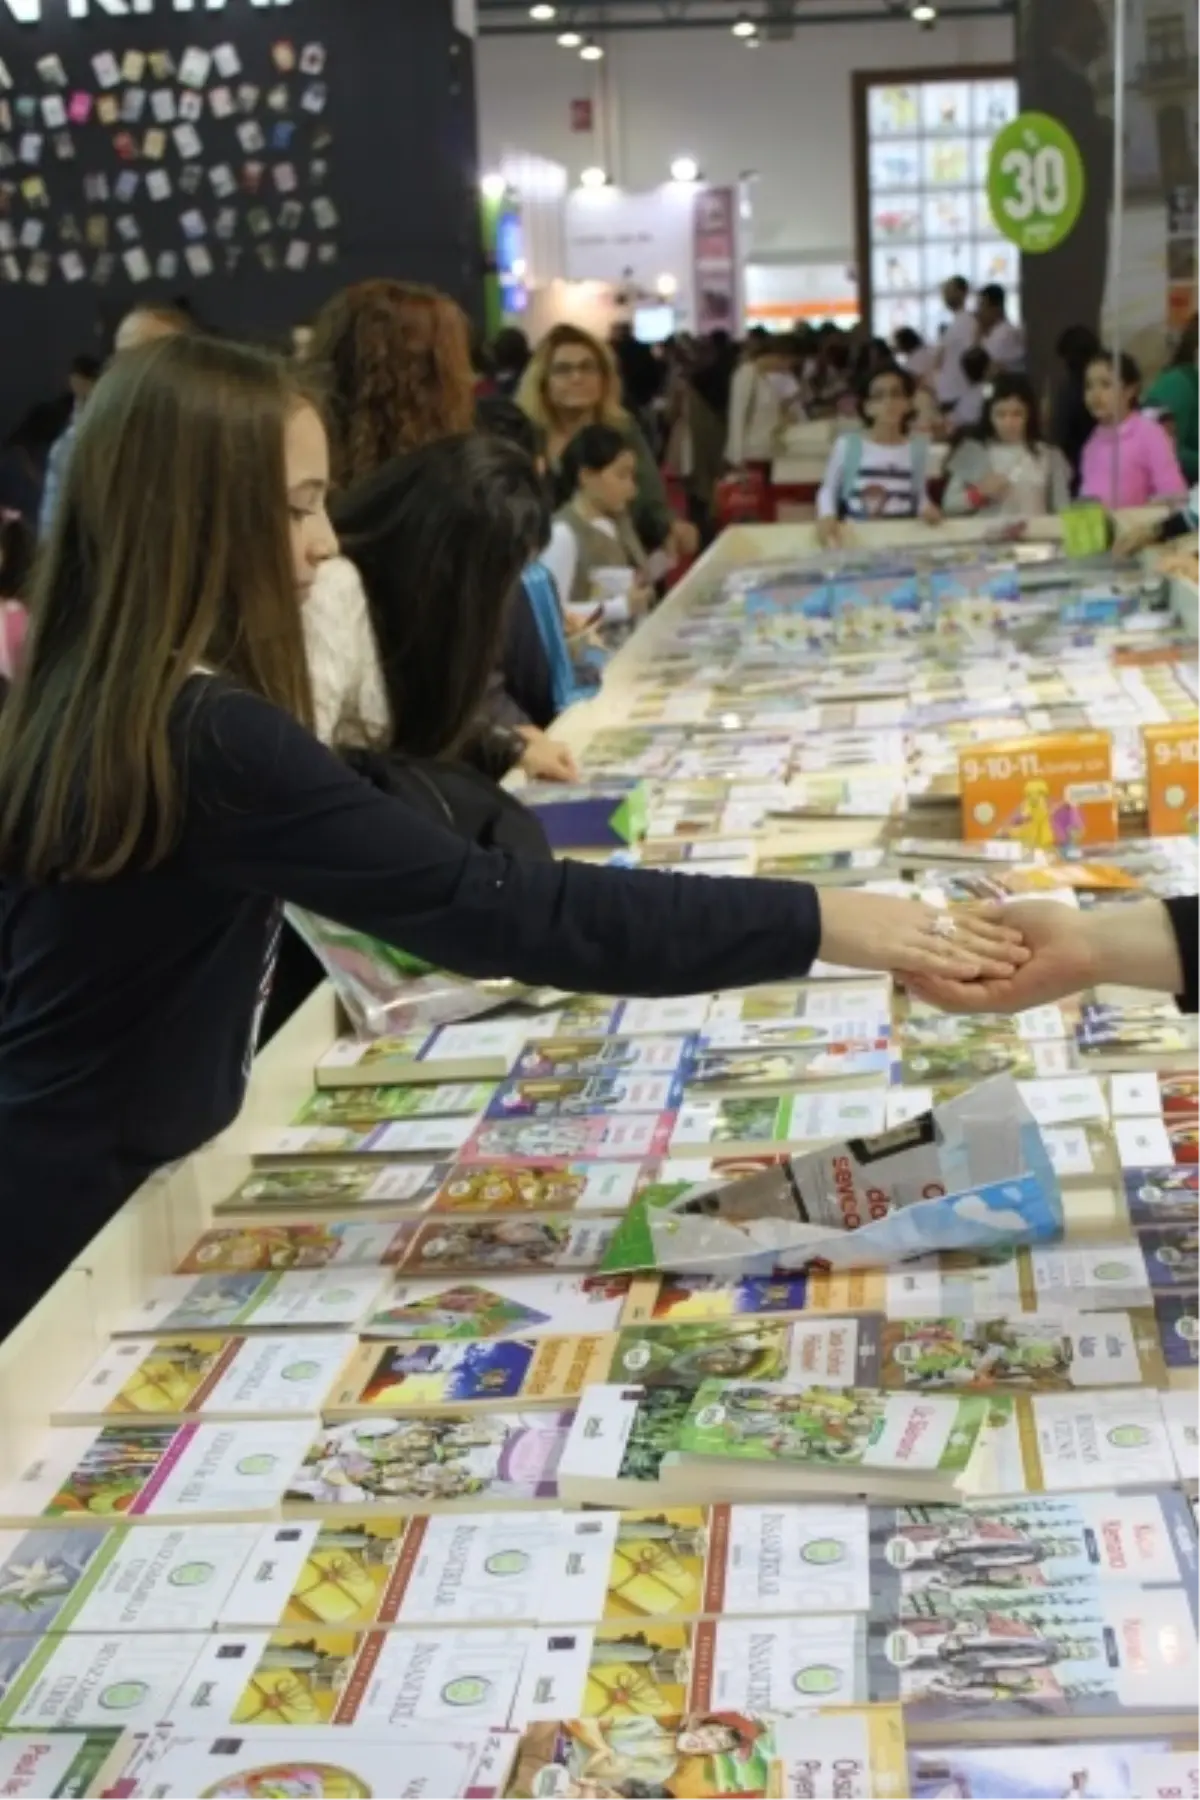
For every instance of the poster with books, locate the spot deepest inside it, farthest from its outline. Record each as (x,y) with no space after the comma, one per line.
(973,1174)
(429,1464)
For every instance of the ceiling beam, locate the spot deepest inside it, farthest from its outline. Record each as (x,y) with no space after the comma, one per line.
(498,21)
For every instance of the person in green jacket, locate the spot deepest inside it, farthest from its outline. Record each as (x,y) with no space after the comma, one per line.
(572,382)
(1174,391)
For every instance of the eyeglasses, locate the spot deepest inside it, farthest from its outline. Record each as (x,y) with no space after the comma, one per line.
(567,369)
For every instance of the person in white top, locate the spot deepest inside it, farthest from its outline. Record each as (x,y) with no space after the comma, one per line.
(1004,469)
(959,335)
(1003,341)
(764,398)
(879,472)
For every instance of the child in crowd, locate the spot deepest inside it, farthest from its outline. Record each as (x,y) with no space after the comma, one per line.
(968,408)
(764,399)
(16,558)
(1004,468)
(1129,460)
(879,472)
(601,562)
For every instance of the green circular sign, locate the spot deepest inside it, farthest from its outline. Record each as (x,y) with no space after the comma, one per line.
(1035,182)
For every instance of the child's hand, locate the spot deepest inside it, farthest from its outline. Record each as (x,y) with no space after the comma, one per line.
(929,513)
(994,486)
(641,599)
(545,759)
(830,534)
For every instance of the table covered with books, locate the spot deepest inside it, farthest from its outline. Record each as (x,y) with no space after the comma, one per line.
(784,1392)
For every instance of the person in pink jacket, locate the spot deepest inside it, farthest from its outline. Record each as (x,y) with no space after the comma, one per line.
(1129,460)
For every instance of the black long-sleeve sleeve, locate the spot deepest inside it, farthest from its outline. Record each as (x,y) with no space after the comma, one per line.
(1185,926)
(272,812)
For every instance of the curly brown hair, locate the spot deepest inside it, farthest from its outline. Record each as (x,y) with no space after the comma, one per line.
(395,361)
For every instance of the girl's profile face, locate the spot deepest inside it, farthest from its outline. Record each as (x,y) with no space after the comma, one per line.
(888,403)
(612,490)
(1103,394)
(306,462)
(1009,420)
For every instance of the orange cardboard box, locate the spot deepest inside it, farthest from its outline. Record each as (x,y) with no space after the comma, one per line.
(1048,791)
(1172,777)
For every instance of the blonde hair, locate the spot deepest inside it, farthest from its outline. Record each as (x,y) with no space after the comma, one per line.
(170,549)
(532,394)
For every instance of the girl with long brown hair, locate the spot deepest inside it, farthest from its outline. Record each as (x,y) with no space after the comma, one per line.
(160,795)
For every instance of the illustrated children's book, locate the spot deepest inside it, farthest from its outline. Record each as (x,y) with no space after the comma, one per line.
(80,1681)
(544,1058)
(243,1249)
(1029,1353)
(479,1050)
(374,1105)
(401,1137)
(559,1096)
(973,1174)
(767,1069)
(61,1765)
(1178,1318)
(332,1187)
(506,1245)
(429,1464)
(316,1760)
(499,1307)
(1146,1769)
(159,1472)
(1171,1253)
(303,1298)
(833,1352)
(1168,1196)
(209,1377)
(600,1137)
(439,1377)
(1045,1278)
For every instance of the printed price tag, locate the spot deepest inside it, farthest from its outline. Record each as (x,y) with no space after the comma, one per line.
(1172,777)
(1048,792)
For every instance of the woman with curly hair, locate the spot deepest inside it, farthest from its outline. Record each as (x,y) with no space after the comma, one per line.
(396,362)
(571,382)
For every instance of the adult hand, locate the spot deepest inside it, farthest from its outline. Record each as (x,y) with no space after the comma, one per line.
(929,514)
(830,534)
(683,539)
(960,945)
(545,759)
(1133,943)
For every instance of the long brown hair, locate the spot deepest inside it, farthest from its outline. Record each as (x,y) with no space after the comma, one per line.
(533,392)
(170,550)
(395,363)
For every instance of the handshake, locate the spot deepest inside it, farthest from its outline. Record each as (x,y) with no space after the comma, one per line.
(1006,958)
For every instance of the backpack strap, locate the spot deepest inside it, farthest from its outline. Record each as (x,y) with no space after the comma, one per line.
(920,468)
(852,455)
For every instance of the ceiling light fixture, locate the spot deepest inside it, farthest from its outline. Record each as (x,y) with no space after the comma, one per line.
(493,186)
(569,40)
(685,168)
(591,51)
(543,13)
(744,27)
(593,178)
(923,14)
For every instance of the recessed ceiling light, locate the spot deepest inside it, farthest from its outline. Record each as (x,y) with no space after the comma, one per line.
(543,13)
(922,14)
(593,178)
(592,51)
(744,27)
(569,40)
(685,168)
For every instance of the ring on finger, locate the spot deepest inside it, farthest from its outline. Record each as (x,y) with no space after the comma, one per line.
(943,926)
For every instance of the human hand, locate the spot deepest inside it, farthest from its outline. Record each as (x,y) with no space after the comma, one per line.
(993,486)
(545,759)
(683,539)
(830,534)
(641,599)
(1133,539)
(929,514)
(962,946)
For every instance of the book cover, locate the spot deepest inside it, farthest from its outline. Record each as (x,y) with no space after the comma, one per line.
(378,1105)
(862,1429)
(540,1187)
(82,1475)
(404,1137)
(1178,1319)
(602,1136)
(781,1666)
(736,1072)
(965,1062)
(687,1299)
(579,1058)
(1178,1412)
(302,1298)
(1029,1353)
(825,1352)
(804,1002)
(605,1672)
(788,1558)
(1171,1253)
(477,1050)
(1041,1278)
(557,1096)
(1168,1196)
(243,1249)
(481,1459)
(1141,1770)
(464,1245)
(1061,1443)
(373,1680)
(58,1765)
(778,1119)
(209,1377)
(157,1578)
(331,1187)
(434,1377)
(1065,1543)
(618,1444)
(517,1305)
(86,1682)
(825,867)
(318,1760)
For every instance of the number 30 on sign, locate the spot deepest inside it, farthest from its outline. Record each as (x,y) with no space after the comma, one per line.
(1036,182)
(1049,791)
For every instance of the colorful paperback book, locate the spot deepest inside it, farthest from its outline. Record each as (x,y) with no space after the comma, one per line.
(1063,1443)
(330,1187)
(769,1121)
(479,1050)
(377,1105)
(878,1441)
(519,1305)
(1028,1353)
(606,1672)
(439,1377)
(1178,1411)
(1171,1253)
(208,1377)
(98,1579)
(805,1002)
(82,1682)
(1178,1317)
(373,1680)
(429,1464)
(1161,1141)
(547,1057)
(584,1096)
(825,867)
(597,1137)
(974,1062)
(1141,1770)
(160,1472)
(245,1249)
(341,1572)
(1063,1544)
(404,1137)
(520,1244)
(1168,1196)
(697,1299)
(604,1187)
(60,1765)
(855,1754)
(768,1069)
(304,1299)
(828,1352)
(1043,1278)
(318,1760)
